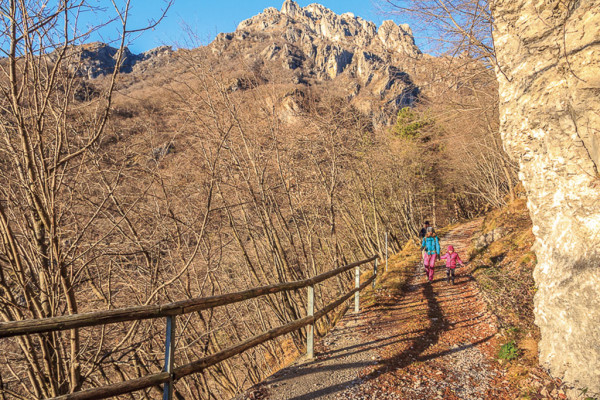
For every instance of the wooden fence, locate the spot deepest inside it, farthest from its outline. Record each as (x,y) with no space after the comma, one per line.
(170,373)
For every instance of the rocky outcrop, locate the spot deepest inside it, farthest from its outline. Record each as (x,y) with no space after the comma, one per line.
(315,23)
(96,59)
(488,238)
(153,58)
(549,72)
(318,44)
(398,38)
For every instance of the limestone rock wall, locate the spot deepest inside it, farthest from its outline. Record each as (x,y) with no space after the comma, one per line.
(549,72)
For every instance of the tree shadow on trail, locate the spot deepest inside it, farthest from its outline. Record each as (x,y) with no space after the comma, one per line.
(429,337)
(415,353)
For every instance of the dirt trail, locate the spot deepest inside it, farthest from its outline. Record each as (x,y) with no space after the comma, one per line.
(434,341)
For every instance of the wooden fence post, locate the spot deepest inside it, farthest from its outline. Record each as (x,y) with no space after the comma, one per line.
(169,354)
(310,329)
(386,251)
(356,285)
(374,273)
(169,374)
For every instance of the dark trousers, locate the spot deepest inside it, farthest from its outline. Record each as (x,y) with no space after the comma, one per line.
(450,274)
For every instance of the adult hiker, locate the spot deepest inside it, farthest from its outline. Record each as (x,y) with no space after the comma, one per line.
(423,230)
(431,251)
(452,258)
(422,234)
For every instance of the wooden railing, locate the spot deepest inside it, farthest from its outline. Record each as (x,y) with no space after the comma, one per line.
(170,373)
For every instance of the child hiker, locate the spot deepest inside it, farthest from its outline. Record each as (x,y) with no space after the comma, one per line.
(431,251)
(452,258)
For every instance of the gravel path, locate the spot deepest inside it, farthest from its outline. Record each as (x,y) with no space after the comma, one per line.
(340,357)
(434,341)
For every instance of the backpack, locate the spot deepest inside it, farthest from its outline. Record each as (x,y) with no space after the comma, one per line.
(431,244)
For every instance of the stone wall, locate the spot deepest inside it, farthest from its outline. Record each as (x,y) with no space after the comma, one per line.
(548,55)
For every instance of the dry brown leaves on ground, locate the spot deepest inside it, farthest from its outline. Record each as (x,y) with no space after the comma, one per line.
(430,341)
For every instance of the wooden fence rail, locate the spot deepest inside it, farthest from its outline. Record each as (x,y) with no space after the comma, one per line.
(66,322)
(170,374)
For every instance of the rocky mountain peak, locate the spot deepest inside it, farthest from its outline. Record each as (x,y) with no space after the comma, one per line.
(313,44)
(397,37)
(320,23)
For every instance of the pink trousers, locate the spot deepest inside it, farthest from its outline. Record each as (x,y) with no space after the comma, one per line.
(429,262)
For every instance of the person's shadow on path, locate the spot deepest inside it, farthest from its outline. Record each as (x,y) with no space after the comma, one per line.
(421,343)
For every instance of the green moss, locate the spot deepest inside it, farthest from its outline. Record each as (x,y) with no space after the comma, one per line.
(526,259)
(584,393)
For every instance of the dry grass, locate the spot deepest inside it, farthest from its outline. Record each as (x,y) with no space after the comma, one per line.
(400,269)
(504,272)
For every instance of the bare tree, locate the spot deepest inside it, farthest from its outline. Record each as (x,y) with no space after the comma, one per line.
(461,27)
(49,152)
(185,188)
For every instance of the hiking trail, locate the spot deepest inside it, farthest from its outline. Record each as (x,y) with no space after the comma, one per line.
(429,341)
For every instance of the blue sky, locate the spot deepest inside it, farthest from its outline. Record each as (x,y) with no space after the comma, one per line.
(207,18)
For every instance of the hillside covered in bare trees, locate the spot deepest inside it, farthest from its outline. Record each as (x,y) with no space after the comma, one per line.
(279,151)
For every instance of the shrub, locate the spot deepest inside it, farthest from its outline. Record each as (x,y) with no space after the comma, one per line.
(508,351)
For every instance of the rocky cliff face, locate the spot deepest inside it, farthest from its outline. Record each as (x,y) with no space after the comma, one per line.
(315,29)
(96,59)
(549,73)
(319,45)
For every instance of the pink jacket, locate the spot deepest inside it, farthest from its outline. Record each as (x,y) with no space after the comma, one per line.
(451,259)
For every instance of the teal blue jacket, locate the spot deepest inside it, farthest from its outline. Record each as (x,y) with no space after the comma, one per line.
(431,245)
